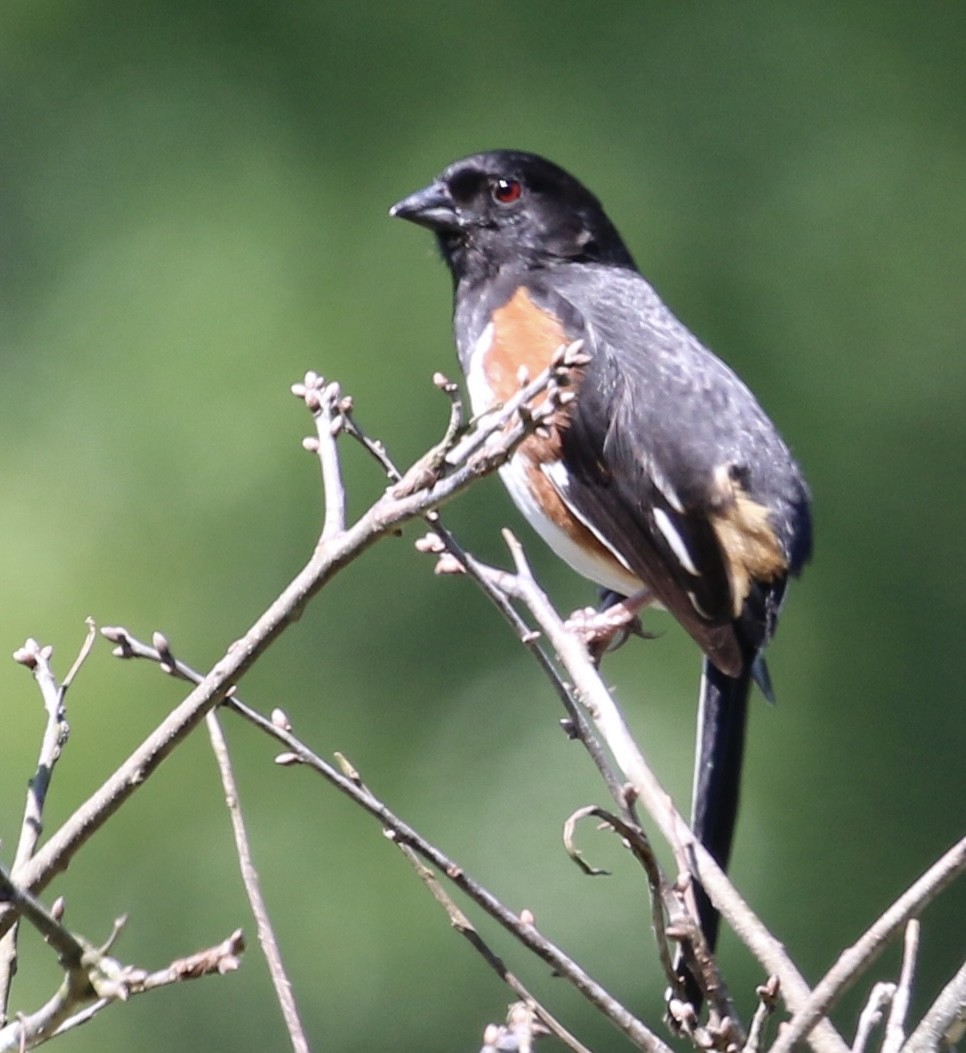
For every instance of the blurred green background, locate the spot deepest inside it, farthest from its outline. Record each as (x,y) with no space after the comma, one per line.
(193,208)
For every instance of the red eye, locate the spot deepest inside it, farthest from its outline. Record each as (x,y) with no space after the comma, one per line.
(506,191)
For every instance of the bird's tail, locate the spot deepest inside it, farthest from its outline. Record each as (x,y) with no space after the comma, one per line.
(722,714)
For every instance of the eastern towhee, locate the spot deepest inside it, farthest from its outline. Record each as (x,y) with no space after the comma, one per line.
(663,480)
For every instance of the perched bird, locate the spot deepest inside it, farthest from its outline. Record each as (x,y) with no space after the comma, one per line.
(662,480)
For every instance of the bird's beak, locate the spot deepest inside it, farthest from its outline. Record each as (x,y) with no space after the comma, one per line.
(432,207)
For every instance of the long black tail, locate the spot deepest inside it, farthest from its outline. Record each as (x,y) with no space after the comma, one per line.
(722,715)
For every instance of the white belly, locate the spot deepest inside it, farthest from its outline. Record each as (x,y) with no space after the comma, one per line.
(605,572)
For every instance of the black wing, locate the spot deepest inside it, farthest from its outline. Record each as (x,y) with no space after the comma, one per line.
(657,420)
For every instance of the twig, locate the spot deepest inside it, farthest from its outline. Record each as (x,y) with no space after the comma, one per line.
(769,950)
(944,1024)
(518,925)
(427,469)
(223,958)
(263,924)
(219,960)
(566,358)
(853,961)
(37,659)
(465,928)
(895,1033)
(164,656)
(91,975)
(56,731)
(879,997)
(896,996)
(767,1000)
(85,649)
(326,404)
(576,724)
(661,895)
(441,542)
(94,978)
(68,947)
(518,1035)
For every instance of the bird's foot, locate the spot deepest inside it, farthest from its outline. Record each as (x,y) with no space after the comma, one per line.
(603,629)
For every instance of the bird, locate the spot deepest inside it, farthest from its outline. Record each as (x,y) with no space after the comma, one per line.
(662,480)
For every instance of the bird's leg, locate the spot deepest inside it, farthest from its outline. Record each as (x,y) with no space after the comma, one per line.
(607,627)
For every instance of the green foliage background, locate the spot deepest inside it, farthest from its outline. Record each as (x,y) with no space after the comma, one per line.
(193,212)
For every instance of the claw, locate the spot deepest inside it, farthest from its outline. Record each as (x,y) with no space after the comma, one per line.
(606,629)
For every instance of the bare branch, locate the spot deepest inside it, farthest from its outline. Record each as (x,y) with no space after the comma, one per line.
(662,896)
(895,1033)
(221,959)
(68,947)
(879,997)
(56,733)
(98,980)
(767,1002)
(428,468)
(896,996)
(566,358)
(162,654)
(853,961)
(91,975)
(213,961)
(462,924)
(86,648)
(447,469)
(324,402)
(944,1024)
(263,924)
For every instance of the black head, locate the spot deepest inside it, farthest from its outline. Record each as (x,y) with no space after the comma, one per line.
(512,209)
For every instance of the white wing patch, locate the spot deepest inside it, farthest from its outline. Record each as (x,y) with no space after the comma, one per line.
(670,494)
(674,539)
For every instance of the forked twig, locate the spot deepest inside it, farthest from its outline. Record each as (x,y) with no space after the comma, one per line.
(93,979)
(36,658)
